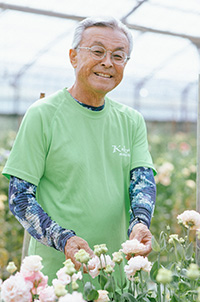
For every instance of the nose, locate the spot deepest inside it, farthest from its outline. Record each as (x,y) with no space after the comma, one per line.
(107,60)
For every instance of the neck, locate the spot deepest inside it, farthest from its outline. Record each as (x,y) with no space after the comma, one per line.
(90,99)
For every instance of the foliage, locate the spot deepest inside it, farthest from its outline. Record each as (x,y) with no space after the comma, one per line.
(178,279)
(174,156)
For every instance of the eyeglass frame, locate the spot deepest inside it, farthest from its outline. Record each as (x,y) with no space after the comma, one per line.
(105,53)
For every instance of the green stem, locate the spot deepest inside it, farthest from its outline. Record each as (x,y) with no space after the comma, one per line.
(121,278)
(164,293)
(141,280)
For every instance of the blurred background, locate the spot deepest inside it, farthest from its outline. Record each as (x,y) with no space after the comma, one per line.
(160,81)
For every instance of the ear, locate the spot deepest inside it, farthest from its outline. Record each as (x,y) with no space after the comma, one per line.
(73,57)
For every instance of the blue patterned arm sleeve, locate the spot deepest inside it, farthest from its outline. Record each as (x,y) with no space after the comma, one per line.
(142,193)
(24,206)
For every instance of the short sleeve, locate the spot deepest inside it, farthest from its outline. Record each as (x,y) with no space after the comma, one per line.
(140,155)
(27,157)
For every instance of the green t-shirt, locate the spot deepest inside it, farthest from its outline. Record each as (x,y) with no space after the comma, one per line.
(80,161)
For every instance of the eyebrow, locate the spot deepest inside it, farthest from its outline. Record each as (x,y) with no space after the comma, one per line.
(101,44)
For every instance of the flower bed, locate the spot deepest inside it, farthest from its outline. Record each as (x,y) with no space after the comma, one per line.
(174,275)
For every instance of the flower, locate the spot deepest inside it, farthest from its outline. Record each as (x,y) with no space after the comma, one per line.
(59,289)
(75,285)
(173,237)
(69,265)
(132,247)
(103,296)
(193,271)
(63,277)
(136,264)
(164,276)
(82,256)
(47,294)
(38,280)
(16,289)
(32,263)
(96,264)
(100,249)
(189,218)
(117,257)
(109,269)
(11,267)
(74,297)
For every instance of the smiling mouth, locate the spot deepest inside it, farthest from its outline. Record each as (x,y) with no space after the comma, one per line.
(104,75)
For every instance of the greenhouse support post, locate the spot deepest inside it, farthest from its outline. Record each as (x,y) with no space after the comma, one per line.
(198,172)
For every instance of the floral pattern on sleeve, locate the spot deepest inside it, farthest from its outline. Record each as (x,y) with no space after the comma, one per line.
(142,193)
(24,206)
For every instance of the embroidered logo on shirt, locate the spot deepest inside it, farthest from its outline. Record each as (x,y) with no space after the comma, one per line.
(122,151)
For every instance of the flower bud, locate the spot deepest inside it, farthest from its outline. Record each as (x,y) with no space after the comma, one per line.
(11,267)
(193,271)
(70,270)
(109,269)
(117,257)
(59,290)
(75,285)
(82,256)
(164,276)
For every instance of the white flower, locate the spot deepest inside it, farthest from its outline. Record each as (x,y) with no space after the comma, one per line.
(164,276)
(74,297)
(32,263)
(47,294)
(132,247)
(103,296)
(15,288)
(136,264)
(95,265)
(63,277)
(189,218)
(173,237)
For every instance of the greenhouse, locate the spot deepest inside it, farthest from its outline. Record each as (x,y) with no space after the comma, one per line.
(161,83)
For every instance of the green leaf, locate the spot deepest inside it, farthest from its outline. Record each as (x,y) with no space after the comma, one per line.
(175,298)
(189,251)
(90,292)
(162,241)
(154,244)
(184,286)
(102,280)
(110,285)
(154,271)
(128,297)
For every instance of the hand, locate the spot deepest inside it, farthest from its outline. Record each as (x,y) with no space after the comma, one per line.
(143,235)
(73,245)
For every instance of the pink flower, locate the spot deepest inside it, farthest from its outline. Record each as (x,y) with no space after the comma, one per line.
(47,294)
(74,297)
(189,219)
(95,265)
(16,289)
(132,247)
(136,264)
(38,280)
(103,296)
(63,277)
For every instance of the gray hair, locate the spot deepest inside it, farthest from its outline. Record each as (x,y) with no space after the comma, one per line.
(101,22)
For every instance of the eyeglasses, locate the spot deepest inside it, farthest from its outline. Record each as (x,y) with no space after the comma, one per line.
(118,57)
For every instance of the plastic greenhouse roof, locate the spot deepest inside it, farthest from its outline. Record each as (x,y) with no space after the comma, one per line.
(160,80)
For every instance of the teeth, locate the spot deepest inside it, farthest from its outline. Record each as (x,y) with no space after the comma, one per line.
(104,75)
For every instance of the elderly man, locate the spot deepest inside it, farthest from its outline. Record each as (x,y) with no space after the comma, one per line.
(80,161)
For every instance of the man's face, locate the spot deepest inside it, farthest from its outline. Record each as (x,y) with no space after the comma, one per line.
(99,76)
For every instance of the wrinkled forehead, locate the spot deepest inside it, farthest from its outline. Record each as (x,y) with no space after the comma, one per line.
(105,36)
